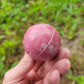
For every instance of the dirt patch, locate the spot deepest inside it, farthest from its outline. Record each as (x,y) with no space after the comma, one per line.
(77,57)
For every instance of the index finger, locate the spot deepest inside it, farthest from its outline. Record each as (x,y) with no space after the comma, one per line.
(21,69)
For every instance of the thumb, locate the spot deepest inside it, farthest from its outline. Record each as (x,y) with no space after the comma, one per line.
(21,69)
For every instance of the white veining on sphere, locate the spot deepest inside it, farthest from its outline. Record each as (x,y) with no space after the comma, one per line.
(44,26)
(32,37)
(31,34)
(51,48)
(43,45)
(48,43)
(40,49)
(47,30)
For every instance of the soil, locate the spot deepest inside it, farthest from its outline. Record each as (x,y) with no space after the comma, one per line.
(77,57)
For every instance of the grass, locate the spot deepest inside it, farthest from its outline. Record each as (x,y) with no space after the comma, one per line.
(17,16)
(79,79)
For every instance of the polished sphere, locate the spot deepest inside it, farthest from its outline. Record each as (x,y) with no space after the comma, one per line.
(42,42)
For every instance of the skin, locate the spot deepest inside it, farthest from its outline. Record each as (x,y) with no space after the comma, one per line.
(29,71)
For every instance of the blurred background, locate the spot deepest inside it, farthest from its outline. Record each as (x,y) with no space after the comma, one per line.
(67,16)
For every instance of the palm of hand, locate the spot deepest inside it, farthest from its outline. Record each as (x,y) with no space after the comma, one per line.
(31,72)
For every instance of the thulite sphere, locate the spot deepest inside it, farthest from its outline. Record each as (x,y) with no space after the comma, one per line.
(42,42)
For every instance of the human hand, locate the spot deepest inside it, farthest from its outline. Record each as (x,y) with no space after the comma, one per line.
(29,71)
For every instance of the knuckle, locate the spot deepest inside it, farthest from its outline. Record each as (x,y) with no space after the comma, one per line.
(6,75)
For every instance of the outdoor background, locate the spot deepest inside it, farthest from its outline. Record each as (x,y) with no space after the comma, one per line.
(67,16)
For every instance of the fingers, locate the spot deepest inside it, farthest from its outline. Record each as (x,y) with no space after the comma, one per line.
(37,65)
(63,66)
(39,82)
(64,53)
(19,71)
(47,66)
(32,75)
(52,78)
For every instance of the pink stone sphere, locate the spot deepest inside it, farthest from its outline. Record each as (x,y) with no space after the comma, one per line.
(42,42)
